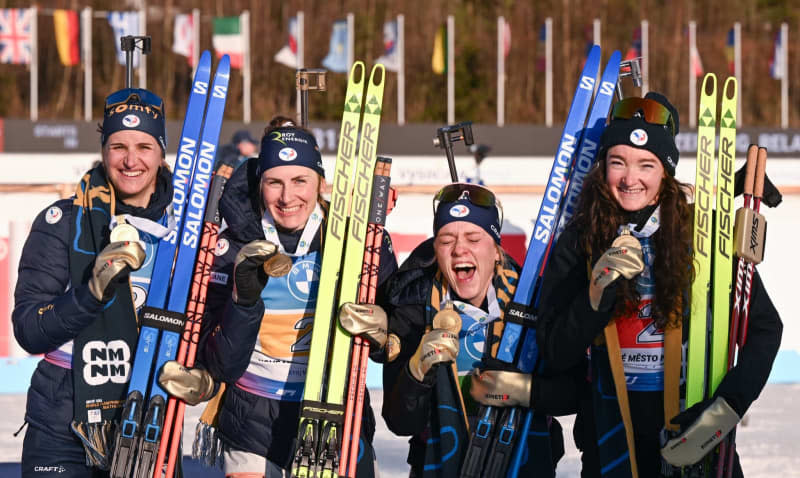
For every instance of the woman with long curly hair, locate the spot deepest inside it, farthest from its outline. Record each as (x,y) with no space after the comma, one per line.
(617,285)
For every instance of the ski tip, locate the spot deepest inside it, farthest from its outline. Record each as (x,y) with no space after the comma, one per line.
(377,69)
(357,72)
(224,63)
(709,81)
(730,87)
(205,56)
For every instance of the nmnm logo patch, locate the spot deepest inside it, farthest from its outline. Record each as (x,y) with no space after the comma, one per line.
(106,362)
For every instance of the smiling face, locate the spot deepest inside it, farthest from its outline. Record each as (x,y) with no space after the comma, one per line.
(634,176)
(290,195)
(131,159)
(466,255)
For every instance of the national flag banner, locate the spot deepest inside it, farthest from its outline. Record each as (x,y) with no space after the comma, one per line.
(776,62)
(697,63)
(124,24)
(16,42)
(635,51)
(336,60)
(506,38)
(439,57)
(541,45)
(390,57)
(67,36)
(729,52)
(183,37)
(288,54)
(227,40)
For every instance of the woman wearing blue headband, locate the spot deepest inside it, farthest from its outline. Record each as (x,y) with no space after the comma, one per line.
(258,330)
(80,284)
(632,230)
(446,309)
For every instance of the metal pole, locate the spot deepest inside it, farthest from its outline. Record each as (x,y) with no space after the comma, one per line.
(401,70)
(596,36)
(351,39)
(692,79)
(34,66)
(645,57)
(142,56)
(785,75)
(300,60)
(195,39)
(548,75)
(451,66)
(501,72)
(737,69)
(86,41)
(596,39)
(244,22)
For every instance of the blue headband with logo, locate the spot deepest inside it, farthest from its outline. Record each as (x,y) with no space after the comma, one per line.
(463,210)
(289,147)
(134,113)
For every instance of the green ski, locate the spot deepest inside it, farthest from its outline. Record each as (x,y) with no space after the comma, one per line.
(723,237)
(701,242)
(320,424)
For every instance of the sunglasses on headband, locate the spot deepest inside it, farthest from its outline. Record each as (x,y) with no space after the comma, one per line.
(474,193)
(135,95)
(652,111)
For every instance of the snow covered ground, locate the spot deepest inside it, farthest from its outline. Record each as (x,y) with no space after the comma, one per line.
(767,443)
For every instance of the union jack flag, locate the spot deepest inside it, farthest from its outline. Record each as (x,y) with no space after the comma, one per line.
(15,35)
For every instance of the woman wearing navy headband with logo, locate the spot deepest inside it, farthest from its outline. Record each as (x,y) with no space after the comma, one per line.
(617,283)
(446,312)
(82,276)
(258,329)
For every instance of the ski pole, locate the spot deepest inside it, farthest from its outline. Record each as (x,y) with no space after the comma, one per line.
(381,204)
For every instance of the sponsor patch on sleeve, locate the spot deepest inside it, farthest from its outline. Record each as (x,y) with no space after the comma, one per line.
(219,278)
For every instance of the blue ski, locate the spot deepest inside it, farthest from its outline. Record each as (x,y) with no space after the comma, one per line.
(587,154)
(132,449)
(487,454)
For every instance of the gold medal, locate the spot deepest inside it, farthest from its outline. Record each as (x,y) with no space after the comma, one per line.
(124,232)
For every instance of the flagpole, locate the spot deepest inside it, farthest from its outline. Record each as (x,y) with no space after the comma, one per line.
(737,69)
(401,70)
(142,56)
(351,39)
(692,79)
(596,37)
(501,72)
(451,66)
(34,65)
(195,39)
(784,75)
(86,35)
(300,47)
(645,57)
(548,75)
(244,21)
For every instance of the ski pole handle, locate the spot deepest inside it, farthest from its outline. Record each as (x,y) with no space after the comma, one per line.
(761,166)
(750,169)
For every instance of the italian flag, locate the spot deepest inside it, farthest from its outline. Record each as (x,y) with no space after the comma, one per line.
(228,40)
